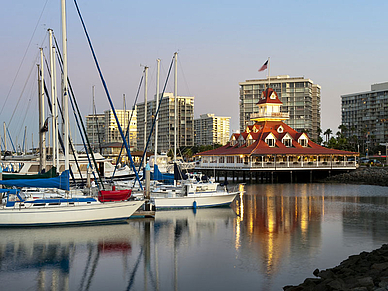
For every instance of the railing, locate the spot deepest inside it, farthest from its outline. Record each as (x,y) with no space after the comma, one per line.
(270,115)
(280,165)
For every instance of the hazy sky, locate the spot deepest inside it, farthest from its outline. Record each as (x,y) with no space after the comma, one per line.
(340,45)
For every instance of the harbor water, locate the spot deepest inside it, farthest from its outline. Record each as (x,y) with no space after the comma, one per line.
(272,235)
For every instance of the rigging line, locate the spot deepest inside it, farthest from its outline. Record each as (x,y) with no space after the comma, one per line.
(21,94)
(156,114)
(107,93)
(24,56)
(74,105)
(59,56)
(128,125)
(183,74)
(98,129)
(25,106)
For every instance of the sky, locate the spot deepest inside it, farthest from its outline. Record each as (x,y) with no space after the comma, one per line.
(339,45)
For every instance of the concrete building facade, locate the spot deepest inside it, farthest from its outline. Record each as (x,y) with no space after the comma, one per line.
(211,129)
(301,98)
(166,121)
(365,116)
(102,129)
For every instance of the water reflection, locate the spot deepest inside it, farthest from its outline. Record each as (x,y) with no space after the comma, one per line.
(273,235)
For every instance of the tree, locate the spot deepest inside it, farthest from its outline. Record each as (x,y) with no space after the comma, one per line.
(327,133)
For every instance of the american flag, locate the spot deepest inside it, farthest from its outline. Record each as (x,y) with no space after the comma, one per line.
(263,67)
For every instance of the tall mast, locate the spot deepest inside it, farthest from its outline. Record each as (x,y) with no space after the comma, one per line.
(55,112)
(94,119)
(156,108)
(53,101)
(25,142)
(175,102)
(42,115)
(145,113)
(65,95)
(5,135)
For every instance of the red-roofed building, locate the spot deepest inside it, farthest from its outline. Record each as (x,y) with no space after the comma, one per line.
(272,145)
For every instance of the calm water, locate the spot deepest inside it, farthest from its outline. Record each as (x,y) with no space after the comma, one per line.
(273,235)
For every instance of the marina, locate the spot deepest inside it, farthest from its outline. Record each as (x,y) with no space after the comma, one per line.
(273,235)
(151,197)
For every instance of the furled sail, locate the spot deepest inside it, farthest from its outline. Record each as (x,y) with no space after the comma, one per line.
(60,182)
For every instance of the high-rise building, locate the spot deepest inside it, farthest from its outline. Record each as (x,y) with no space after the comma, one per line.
(365,116)
(102,129)
(166,121)
(210,129)
(301,98)
(112,133)
(95,129)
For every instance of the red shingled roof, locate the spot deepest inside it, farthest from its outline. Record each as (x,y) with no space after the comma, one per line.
(260,147)
(266,97)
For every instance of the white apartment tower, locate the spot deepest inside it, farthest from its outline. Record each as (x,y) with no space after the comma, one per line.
(211,129)
(166,120)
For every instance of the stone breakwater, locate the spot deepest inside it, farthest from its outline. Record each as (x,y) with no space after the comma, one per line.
(363,272)
(368,175)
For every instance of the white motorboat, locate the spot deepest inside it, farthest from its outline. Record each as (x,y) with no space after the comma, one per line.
(189,194)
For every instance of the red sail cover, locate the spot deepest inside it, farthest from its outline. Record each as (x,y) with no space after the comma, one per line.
(114,195)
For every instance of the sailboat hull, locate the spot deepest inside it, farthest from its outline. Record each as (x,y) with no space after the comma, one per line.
(68,215)
(194,201)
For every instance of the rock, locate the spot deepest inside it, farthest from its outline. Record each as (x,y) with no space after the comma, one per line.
(380,266)
(366,282)
(363,272)
(326,274)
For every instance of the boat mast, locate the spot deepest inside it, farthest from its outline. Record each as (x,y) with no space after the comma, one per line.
(65,95)
(53,101)
(42,133)
(5,135)
(175,102)
(55,112)
(145,114)
(95,120)
(156,108)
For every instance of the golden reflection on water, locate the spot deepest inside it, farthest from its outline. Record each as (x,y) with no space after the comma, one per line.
(272,220)
(240,215)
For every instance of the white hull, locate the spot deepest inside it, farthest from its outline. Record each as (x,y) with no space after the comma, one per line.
(194,201)
(72,214)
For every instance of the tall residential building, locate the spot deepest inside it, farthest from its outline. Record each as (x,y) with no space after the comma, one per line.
(95,129)
(102,128)
(166,120)
(301,98)
(112,133)
(210,129)
(365,115)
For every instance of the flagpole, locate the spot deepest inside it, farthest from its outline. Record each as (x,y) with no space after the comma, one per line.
(269,81)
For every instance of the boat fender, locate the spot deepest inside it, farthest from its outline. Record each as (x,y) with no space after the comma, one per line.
(195,204)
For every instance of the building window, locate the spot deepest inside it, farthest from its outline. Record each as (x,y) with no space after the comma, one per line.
(270,142)
(230,160)
(303,142)
(287,142)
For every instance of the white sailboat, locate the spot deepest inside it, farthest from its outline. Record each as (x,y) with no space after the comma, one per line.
(19,210)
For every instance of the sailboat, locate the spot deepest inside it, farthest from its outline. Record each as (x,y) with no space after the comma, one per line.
(19,209)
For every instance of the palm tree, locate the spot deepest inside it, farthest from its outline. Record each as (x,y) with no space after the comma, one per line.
(327,133)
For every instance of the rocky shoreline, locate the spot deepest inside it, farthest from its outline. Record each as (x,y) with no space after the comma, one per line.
(363,272)
(366,175)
